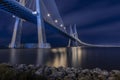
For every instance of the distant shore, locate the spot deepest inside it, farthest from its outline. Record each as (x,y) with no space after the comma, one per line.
(32,72)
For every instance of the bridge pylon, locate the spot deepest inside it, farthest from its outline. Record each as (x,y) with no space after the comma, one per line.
(16,37)
(41,30)
(73,32)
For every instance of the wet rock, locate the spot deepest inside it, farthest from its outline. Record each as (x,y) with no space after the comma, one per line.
(96,70)
(31,66)
(111,78)
(85,78)
(85,71)
(115,71)
(69,71)
(62,69)
(57,75)
(22,67)
(72,76)
(105,73)
(102,77)
(47,71)
(53,69)
(68,78)
(39,72)
(115,74)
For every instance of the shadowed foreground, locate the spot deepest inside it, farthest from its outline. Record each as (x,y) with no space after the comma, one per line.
(31,72)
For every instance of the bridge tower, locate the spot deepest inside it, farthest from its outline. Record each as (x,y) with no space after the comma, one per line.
(75,35)
(73,32)
(41,32)
(16,37)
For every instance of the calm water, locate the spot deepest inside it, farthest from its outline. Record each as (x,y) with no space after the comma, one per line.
(85,57)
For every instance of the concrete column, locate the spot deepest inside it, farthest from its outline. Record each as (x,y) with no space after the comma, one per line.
(41,33)
(13,44)
(39,24)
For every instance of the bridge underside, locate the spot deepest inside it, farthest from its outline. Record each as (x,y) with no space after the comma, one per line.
(16,9)
(20,11)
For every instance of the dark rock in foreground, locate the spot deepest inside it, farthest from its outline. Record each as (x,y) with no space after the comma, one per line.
(31,72)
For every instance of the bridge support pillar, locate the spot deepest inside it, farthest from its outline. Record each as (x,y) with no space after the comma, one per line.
(16,37)
(41,32)
(73,32)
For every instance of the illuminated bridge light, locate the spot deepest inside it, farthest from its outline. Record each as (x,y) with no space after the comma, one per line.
(61,25)
(35,12)
(48,15)
(64,27)
(13,16)
(56,21)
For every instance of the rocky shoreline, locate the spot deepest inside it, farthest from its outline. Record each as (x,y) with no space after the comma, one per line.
(32,72)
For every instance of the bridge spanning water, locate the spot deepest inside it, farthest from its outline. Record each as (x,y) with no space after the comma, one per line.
(42,11)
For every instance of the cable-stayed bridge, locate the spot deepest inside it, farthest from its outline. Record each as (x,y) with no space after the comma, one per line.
(37,11)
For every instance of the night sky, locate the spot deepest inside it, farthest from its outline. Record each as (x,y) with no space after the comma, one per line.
(98,22)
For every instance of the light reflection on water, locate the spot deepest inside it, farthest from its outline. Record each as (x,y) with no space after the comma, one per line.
(85,57)
(54,57)
(76,56)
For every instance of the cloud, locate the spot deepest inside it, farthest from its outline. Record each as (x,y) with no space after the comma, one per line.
(90,16)
(97,23)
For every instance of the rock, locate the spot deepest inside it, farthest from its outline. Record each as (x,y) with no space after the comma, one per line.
(60,74)
(105,73)
(96,70)
(61,69)
(38,66)
(85,71)
(31,66)
(115,74)
(47,71)
(85,78)
(72,75)
(22,67)
(101,77)
(53,69)
(57,75)
(111,78)
(39,72)
(115,71)
(68,78)
(69,71)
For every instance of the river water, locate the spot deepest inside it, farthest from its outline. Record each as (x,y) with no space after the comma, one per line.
(84,57)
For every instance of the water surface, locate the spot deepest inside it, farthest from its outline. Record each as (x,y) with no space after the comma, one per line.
(85,57)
